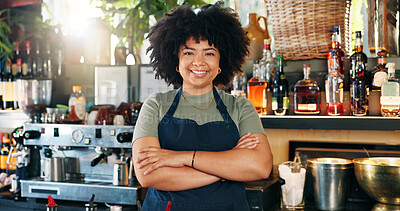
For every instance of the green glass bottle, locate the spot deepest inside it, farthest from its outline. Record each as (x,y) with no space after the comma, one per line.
(280,90)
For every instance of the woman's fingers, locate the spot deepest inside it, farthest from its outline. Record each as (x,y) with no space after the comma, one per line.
(247,141)
(144,155)
(244,136)
(152,168)
(249,145)
(147,162)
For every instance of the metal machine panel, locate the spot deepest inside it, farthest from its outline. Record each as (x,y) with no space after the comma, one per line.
(78,135)
(104,192)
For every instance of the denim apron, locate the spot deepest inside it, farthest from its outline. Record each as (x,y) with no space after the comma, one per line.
(185,135)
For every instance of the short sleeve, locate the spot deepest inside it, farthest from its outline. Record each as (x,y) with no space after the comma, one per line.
(149,117)
(249,120)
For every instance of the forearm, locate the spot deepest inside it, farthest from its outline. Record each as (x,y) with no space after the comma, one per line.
(237,164)
(176,179)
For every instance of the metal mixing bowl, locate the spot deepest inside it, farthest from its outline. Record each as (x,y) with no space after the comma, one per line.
(379,177)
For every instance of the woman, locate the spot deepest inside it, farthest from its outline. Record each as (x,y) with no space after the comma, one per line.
(194,147)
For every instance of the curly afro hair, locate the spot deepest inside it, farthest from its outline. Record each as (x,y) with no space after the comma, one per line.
(212,22)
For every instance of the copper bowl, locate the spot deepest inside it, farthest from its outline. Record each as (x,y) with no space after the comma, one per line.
(379,177)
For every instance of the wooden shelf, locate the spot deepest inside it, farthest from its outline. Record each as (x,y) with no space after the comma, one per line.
(331,122)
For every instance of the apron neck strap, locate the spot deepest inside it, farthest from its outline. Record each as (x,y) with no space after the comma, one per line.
(220,105)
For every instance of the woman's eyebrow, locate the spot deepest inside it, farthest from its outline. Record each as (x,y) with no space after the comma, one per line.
(187,47)
(207,49)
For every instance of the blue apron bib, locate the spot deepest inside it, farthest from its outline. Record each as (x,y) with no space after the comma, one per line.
(185,135)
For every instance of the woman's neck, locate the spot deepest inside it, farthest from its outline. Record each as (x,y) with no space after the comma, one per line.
(196,90)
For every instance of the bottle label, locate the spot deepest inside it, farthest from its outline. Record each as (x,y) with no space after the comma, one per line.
(307,107)
(14,68)
(274,103)
(24,68)
(379,79)
(340,89)
(327,94)
(8,91)
(80,107)
(265,101)
(390,103)
(285,102)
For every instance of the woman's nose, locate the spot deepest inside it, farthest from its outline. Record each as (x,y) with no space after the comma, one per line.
(198,60)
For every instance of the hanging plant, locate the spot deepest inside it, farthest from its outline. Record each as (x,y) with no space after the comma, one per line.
(137,15)
(5,42)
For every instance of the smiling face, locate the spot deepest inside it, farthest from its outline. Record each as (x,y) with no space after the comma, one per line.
(198,66)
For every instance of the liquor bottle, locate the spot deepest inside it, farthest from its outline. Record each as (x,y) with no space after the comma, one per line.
(379,73)
(8,87)
(77,104)
(307,94)
(390,99)
(256,89)
(27,61)
(47,61)
(16,60)
(280,90)
(334,88)
(239,84)
(267,64)
(16,83)
(37,62)
(336,40)
(358,55)
(59,55)
(359,91)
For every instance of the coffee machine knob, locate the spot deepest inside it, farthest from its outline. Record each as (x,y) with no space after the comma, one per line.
(124,137)
(31,134)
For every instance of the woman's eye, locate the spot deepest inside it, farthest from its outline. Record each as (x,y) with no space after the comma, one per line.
(210,54)
(187,53)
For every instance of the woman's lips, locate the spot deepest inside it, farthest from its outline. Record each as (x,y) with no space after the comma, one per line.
(199,72)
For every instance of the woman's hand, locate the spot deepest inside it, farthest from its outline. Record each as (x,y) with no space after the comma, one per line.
(156,158)
(247,141)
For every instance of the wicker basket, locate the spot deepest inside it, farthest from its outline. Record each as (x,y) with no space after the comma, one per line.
(302,29)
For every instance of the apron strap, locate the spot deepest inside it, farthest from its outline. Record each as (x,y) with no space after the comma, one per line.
(175,103)
(220,105)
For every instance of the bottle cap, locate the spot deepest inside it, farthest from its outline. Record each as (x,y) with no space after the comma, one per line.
(336,29)
(358,34)
(382,53)
(76,88)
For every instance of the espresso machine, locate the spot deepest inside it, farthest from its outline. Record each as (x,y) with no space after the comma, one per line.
(77,161)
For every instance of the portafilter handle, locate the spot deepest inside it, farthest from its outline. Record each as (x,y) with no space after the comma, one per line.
(97,159)
(31,134)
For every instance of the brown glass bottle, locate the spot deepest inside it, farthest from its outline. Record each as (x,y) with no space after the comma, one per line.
(336,40)
(358,55)
(8,87)
(256,89)
(307,94)
(379,73)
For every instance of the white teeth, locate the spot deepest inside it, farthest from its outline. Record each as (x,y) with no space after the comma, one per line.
(199,72)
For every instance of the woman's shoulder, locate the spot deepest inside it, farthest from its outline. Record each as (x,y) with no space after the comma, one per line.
(161,97)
